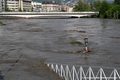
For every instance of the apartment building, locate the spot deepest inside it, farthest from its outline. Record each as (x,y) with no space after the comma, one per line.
(51,7)
(11,5)
(36,7)
(0,5)
(17,5)
(67,8)
(26,5)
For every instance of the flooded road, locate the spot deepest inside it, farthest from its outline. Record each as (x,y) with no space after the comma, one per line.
(52,40)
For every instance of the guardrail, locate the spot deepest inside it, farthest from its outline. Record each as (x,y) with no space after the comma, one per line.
(80,73)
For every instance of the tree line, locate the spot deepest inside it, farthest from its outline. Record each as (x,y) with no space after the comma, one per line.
(106,10)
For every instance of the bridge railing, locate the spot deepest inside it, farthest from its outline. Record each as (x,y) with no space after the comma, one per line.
(48,13)
(80,73)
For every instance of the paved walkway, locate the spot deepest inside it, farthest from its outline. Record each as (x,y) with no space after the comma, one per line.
(22,67)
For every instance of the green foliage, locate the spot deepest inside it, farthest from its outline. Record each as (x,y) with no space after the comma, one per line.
(97,5)
(106,10)
(114,11)
(117,1)
(103,9)
(82,6)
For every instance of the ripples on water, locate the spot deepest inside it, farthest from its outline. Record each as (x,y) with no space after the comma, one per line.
(50,38)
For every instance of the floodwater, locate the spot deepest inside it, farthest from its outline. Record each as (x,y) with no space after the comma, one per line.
(55,41)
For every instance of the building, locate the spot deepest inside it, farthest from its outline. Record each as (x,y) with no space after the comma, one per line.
(36,7)
(70,9)
(17,5)
(12,5)
(66,8)
(3,4)
(51,7)
(0,6)
(26,6)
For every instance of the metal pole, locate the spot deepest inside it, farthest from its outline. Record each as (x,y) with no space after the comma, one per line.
(86,44)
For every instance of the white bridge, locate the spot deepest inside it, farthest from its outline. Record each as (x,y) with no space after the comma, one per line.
(46,14)
(85,73)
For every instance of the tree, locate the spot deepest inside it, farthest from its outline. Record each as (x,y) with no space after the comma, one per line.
(82,6)
(117,1)
(103,9)
(114,11)
(97,5)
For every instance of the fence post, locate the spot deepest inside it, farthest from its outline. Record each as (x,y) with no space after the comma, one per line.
(115,74)
(67,72)
(89,73)
(101,74)
(48,65)
(73,73)
(80,73)
(61,70)
(56,69)
(52,66)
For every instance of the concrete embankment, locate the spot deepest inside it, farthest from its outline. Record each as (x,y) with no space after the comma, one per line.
(26,69)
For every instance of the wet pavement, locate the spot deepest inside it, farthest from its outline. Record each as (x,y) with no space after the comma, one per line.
(25,44)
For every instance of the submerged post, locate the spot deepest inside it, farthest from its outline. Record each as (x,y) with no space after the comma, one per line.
(86,48)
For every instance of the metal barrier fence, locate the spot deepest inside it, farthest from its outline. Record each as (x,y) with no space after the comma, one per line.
(81,73)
